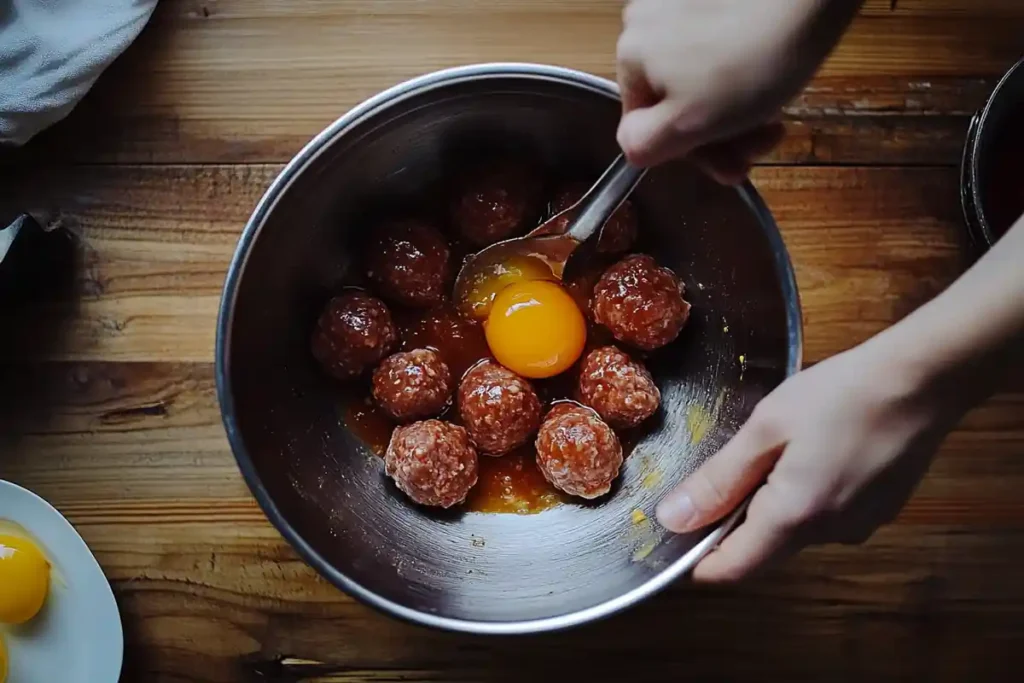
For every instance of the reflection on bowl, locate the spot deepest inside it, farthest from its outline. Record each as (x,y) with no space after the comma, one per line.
(321,485)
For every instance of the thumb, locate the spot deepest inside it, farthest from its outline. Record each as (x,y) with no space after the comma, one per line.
(651,135)
(721,484)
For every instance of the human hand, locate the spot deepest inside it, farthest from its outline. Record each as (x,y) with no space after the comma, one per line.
(708,78)
(843,445)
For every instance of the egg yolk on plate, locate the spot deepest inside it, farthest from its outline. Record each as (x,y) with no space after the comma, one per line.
(24,579)
(535,329)
(497,276)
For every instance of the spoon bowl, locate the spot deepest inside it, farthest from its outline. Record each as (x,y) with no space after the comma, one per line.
(566,247)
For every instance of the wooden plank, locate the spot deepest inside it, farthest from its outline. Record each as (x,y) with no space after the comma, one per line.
(202,604)
(873,120)
(869,245)
(234,80)
(134,455)
(990,9)
(117,432)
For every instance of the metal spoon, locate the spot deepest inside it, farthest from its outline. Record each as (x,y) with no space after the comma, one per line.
(566,251)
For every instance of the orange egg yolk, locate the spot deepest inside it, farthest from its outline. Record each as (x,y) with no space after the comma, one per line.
(497,276)
(535,329)
(24,579)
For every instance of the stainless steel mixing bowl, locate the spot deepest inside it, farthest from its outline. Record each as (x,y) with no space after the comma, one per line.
(324,490)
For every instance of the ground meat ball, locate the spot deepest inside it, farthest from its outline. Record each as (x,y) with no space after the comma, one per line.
(499,408)
(619,232)
(620,389)
(496,202)
(353,333)
(432,462)
(577,452)
(640,302)
(412,385)
(409,262)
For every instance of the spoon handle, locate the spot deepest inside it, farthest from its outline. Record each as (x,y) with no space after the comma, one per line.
(604,198)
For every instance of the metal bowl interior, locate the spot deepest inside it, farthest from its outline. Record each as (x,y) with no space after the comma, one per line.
(326,492)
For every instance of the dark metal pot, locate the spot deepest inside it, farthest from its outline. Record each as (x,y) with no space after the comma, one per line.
(323,489)
(1006,101)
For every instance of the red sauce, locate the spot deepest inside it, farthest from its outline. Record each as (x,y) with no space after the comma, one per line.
(368,422)
(1004,200)
(460,342)
(508,484)
(512,483)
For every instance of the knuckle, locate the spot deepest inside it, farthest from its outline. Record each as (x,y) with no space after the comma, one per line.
(793,509)
(766,423)
(764,414)
(631,12)
(729,572)
(628,49)
(707,495)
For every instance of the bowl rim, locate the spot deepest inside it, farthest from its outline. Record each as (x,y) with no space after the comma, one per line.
(979,131)
(298,164)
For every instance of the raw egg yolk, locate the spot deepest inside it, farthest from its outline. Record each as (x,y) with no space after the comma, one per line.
(24,579)
(535,329)
(497,276)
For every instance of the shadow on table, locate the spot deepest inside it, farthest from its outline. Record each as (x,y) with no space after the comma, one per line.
(38,298)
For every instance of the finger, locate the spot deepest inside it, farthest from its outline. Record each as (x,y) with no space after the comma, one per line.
(650,135)
(729,161)
(637,92)
(720,485)
(753,546)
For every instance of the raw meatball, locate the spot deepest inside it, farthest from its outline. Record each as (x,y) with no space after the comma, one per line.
(499,408)
(620,230)
(433,462)
(640,302)
(496,202)
(409,262)
(353,333)
(412,385)
(577,452)
(617,387)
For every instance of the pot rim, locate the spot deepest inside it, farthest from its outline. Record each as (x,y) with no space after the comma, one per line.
(291,172)
(972,200)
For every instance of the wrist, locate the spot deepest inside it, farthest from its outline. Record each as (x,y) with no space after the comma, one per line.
(930,369)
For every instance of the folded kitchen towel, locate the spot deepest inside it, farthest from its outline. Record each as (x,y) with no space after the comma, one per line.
(51,53)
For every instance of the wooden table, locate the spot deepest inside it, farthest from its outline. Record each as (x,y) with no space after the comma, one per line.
(110,410)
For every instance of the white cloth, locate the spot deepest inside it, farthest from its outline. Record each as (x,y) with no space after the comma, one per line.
(51,53)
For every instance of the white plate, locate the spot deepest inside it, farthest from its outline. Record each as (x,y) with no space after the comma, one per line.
(77,636)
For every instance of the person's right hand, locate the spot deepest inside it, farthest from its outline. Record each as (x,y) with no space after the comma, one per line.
(708,78)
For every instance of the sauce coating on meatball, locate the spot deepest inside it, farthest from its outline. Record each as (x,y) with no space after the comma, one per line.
(495,202)
(577,452)
(432,462)
(412,384)
(618,233)
(619,388)
(409,262)
(499,408)
(640,302)
(354,332)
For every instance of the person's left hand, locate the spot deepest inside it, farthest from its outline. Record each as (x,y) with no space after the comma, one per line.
(843,445)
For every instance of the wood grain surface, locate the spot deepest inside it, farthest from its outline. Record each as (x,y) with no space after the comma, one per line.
(107,396)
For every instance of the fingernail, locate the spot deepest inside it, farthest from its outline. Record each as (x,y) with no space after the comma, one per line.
(675,513)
